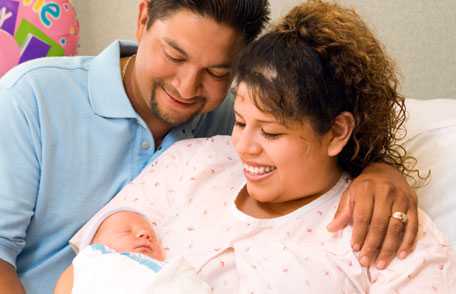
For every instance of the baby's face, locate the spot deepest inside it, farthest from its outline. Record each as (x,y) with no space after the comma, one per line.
(127,231)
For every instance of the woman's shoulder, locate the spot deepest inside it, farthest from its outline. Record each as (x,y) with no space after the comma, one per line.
(431,267)
(210,150)
(221,142)
(191,157)
(429,235)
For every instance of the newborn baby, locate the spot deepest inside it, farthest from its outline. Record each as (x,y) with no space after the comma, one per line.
(124,255)
(128,231)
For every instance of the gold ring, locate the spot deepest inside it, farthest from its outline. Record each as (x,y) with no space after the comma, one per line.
(399,215)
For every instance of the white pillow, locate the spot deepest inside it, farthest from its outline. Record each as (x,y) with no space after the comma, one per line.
(431,139)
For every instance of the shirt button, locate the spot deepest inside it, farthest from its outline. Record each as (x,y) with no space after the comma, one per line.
(145,145)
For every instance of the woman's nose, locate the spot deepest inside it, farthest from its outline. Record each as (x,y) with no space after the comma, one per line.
(245,143)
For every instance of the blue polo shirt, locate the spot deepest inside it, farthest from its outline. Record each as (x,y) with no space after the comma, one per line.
(69,141)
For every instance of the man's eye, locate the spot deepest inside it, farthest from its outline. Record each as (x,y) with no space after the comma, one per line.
(174,59)
(219,74)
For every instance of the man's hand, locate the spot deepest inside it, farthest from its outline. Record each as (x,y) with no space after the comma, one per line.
(368,205)
(9,282)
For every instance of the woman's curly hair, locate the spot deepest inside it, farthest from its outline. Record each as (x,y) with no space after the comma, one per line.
(319,61)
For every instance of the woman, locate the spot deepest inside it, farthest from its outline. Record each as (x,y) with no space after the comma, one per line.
(316,101)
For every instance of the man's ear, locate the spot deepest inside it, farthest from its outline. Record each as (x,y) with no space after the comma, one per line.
(143,19)
(341,131)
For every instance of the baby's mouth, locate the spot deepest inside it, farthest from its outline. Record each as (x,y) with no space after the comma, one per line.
(146,251)
(144,247)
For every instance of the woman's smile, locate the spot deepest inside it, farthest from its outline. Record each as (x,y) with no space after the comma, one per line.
(254,172)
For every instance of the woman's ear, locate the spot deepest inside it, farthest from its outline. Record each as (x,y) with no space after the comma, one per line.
(341,131)
(143,19)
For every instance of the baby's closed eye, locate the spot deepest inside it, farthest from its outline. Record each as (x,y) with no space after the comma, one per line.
(124,232)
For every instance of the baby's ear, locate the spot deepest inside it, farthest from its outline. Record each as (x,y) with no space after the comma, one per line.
(341,131)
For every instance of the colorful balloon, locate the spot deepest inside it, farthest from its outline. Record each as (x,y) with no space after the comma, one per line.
(31,29)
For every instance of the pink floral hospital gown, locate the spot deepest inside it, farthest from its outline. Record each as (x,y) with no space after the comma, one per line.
(189,195)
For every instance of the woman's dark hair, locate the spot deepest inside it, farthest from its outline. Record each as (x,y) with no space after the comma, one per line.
(321,60)
(248,17)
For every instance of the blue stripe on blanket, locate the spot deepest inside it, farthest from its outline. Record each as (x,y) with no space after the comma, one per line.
(101,248)
(144,260)
(139,258)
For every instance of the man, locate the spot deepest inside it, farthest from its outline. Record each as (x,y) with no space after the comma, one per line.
(74,131)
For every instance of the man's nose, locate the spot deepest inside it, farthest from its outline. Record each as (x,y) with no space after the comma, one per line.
(188,82)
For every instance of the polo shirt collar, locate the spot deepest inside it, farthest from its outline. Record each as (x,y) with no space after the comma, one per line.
(106,91)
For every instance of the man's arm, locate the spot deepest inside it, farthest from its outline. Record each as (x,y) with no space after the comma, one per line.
(9,282)
(19,181)
(368,205)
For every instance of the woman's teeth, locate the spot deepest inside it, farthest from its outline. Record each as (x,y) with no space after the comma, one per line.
(258,170)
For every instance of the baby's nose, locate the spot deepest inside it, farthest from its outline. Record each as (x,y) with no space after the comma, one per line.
(143,235)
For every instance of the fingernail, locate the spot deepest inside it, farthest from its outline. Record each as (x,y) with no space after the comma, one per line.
(381,264)
(403,254)
(356,247)
(364,261)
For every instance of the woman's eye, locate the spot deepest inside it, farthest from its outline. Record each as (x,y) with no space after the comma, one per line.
(270,136)
(239,124)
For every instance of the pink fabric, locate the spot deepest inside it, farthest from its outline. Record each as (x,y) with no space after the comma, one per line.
(189,192)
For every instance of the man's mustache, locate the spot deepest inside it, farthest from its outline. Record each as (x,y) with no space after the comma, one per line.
(173,92)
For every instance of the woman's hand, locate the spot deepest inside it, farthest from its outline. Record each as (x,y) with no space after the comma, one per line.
(368,204)
(65,283)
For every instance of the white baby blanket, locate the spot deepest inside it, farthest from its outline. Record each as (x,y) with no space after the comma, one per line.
(98,269)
